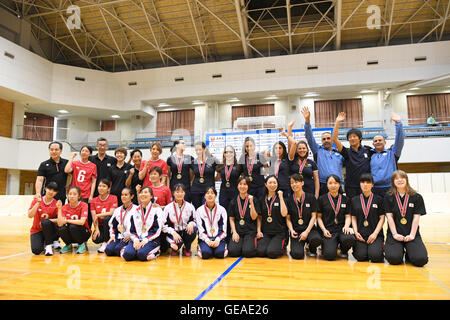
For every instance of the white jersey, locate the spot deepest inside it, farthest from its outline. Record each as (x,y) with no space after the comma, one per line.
(121,219)
(176,218)
(211,224)
(148,223)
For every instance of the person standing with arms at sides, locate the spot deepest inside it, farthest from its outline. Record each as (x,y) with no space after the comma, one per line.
(271,224)
(119,173)
(120,225)
(102,161)
(279,165)
(179,228)
(72,222)
(383,162)
(299,163)
(211,220)
(146,225)
(356,158)
(228,171)
(202,174)
(84,175)
(179,167)
(302,211)
(155,161)
(161,192)
(329,160)
(253,165)
(102,208)
(133,177)
(242,214)
(334,221)
(367,220)
(44,212)
(404,206)
(52,170)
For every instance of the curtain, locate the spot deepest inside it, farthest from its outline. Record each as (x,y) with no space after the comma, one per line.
(38,127)
(326,111)
(421,106)
(169,121)
(260,110)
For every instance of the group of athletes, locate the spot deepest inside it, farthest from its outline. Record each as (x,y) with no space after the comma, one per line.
(139,209)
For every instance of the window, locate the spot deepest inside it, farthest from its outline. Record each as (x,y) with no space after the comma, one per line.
(261,110)
(326,112)
(38,126)
(169,121)
(108,125)
(421,106)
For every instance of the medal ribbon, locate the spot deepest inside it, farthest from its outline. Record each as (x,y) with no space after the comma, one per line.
(126,211)
(176,211)
(366,209)
(213,216)
(201,168)
(302,165)
(250,169)
(179,163)
(144,217)
(299,210)
(399,203)
(242,211)
(338,206)
(269,209)
(228,172)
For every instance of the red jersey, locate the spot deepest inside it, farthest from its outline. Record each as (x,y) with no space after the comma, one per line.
(162,195)
(44,211)
(102,206)
(158,163)
(80,211)
(82,176)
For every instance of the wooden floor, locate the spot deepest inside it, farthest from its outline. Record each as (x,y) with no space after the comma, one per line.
(95,276)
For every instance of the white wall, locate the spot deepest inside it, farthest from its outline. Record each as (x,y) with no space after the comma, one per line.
(32,75)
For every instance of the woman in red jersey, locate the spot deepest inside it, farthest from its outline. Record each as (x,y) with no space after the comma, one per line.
(72,222)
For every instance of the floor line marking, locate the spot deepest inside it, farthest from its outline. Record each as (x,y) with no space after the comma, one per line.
(212,285)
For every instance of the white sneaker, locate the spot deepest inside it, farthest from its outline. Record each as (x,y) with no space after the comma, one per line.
(102,248)
(49,250)
(57,245)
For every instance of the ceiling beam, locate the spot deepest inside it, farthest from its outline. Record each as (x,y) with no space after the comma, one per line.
(195,30)
(245,47)
(338,22)
(446,16)
(289,21)
(153,34)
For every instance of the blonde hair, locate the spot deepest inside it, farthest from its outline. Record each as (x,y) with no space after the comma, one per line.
(401,173)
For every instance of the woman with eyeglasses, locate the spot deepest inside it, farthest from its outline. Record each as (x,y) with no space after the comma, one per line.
(179,164)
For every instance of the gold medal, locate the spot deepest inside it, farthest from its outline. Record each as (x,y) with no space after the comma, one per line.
(201,180)
(269,219)
(335,221)
(300,221)
(143,229)
(121,228)
(212,230)
(403,221)
(227,184)
(179,176)
(366,223)
(242,222)
(250,178)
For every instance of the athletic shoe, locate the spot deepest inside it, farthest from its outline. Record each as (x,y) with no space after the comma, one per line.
(187,253)
(49,250)
(173,253)
(57,245)
(67,248)
(81,248)
(343,255)
(102,248)
(312,254)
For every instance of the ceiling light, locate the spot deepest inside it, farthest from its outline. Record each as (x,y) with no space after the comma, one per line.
(311,94)
(415,88)
(272,96)
(63,111)
(163,104)
(196,102)
(233,100)
(367,91)
(115,116)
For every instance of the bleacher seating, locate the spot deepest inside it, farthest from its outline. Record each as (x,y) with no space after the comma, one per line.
(142,143)
(367,133)
(426,131)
